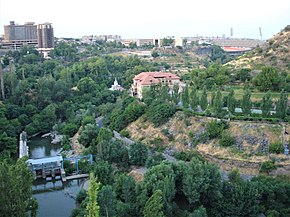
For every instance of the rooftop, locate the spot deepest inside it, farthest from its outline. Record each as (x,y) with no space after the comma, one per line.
(147,78)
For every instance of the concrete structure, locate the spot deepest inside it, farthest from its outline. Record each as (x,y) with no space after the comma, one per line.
(51,166)
(16,36)
(23,148)
(179,42)
(144,42)
(45,35)
(146,79)
(116,86)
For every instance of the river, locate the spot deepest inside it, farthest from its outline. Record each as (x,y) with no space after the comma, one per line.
(55,198)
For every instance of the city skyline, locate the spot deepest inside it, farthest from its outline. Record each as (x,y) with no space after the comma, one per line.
(152,18)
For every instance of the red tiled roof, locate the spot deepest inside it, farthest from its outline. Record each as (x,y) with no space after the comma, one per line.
(147,78)
(228,48)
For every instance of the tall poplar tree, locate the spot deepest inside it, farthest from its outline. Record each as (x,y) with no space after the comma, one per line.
(246,103)
(266,104)
(231,102)
(203,100)
(92,207)
(185,97)
(218,103)
(281,106)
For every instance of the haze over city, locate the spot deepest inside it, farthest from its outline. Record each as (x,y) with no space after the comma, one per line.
(143,19)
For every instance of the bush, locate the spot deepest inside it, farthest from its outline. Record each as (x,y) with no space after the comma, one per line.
(267,166)
(125,133)
(188,155)
(276,148)
(227,140)
(215,128)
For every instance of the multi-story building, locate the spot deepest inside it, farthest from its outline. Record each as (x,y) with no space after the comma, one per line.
(144,80)
(16,36)
(45,35)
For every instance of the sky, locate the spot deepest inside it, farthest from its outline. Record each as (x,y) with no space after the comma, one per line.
(152,18)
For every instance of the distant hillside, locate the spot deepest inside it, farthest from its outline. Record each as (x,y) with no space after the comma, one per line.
(275,52)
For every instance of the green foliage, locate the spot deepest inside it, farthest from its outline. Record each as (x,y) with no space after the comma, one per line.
(231,101)
(125,133)
(276,148)
(267,166)
(15,189)
(81,196)
(93,207)
(70,129)
(88,133)
(154,205)
(266,104)
(215,128)
(203,100)
(138,154)
(107,200)
(282,104)
(103,171)
(268,79)
(227,140)
(246,103)
(159,112)
(185,97)
(188,155)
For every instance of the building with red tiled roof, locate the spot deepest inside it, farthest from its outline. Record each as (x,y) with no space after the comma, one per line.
(145,79)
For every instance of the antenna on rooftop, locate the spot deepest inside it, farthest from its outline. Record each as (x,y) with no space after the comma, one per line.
(232,32)
(260,30)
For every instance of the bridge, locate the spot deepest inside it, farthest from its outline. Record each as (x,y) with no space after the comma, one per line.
(53,167)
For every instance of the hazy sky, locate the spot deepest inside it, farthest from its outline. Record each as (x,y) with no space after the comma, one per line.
(151,18)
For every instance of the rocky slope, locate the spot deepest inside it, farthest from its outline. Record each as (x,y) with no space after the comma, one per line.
(275,52)
(182,132)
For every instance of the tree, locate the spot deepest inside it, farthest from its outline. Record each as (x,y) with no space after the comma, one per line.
(103,171)
(281,106)
(266,104)
(15,189)
(175,94)
(194,101)
(108,201)
(92,207)
(138,154)
(154,54)
(185,97)
(154,205)
(246,103)
(268,79)
(203,100)
(218,103)
(231,101)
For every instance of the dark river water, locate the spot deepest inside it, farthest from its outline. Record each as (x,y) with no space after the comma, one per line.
(55,198)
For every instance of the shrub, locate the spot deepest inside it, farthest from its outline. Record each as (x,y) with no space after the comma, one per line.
(125,133)
(227,140)
(267,166)
(276,148)
(215,128)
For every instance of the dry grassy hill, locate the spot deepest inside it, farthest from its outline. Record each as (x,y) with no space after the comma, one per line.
(252,141)
(275,52)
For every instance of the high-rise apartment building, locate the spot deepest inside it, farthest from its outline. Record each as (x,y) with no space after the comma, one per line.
(16,35)
(45,35)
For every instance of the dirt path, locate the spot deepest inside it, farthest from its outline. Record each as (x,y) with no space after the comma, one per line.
(76,146)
